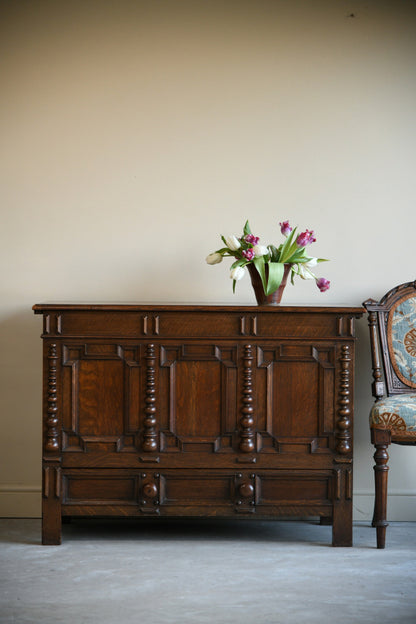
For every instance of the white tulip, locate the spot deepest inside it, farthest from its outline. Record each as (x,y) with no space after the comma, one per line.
(304,269)
(237,273)
(260,250)
(214,258)
(233,243)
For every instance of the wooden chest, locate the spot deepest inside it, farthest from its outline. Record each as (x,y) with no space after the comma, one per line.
(181,410)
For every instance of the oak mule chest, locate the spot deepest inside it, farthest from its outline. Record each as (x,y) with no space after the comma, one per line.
(181,410)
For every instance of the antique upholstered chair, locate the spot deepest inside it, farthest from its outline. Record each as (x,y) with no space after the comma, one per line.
(392,323)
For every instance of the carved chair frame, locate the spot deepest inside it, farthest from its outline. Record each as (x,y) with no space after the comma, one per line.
(386,382)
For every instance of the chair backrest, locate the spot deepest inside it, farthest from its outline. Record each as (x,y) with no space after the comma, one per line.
(392,322)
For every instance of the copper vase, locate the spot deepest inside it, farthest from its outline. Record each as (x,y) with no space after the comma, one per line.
(275,297)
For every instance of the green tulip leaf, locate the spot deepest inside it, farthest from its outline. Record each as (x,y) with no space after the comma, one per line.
(276,270)
(259,264)
(247,229)
(274,253)
(239,262)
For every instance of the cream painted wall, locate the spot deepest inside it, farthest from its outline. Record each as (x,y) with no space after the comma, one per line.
(133,133)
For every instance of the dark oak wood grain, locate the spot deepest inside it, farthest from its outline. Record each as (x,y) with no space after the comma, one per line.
(186,410)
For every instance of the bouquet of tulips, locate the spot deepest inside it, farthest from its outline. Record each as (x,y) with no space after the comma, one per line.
(246,249)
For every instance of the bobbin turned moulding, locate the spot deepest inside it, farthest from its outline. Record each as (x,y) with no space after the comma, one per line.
(229,411)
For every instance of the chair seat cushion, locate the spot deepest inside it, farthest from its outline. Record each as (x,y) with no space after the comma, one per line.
(396,413)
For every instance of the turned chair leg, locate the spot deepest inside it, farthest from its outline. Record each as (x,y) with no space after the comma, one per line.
(381,441)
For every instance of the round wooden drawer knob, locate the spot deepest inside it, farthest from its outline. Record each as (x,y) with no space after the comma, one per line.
(246,490)
(150,490)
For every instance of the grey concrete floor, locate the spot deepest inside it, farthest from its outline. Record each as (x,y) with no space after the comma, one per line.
(197,572)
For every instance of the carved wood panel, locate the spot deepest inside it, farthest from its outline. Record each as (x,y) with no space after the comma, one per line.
(294,488)
(102,386)
(198,406)
(295,397)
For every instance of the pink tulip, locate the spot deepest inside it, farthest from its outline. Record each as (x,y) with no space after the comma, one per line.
(305,238)
(250,238)
(248,254)
(323,284)
(285,228)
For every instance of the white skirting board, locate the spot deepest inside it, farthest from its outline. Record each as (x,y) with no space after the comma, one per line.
(20,501)
(401,505)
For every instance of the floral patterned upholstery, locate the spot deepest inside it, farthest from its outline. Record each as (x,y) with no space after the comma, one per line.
(397,413)
(402,340)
